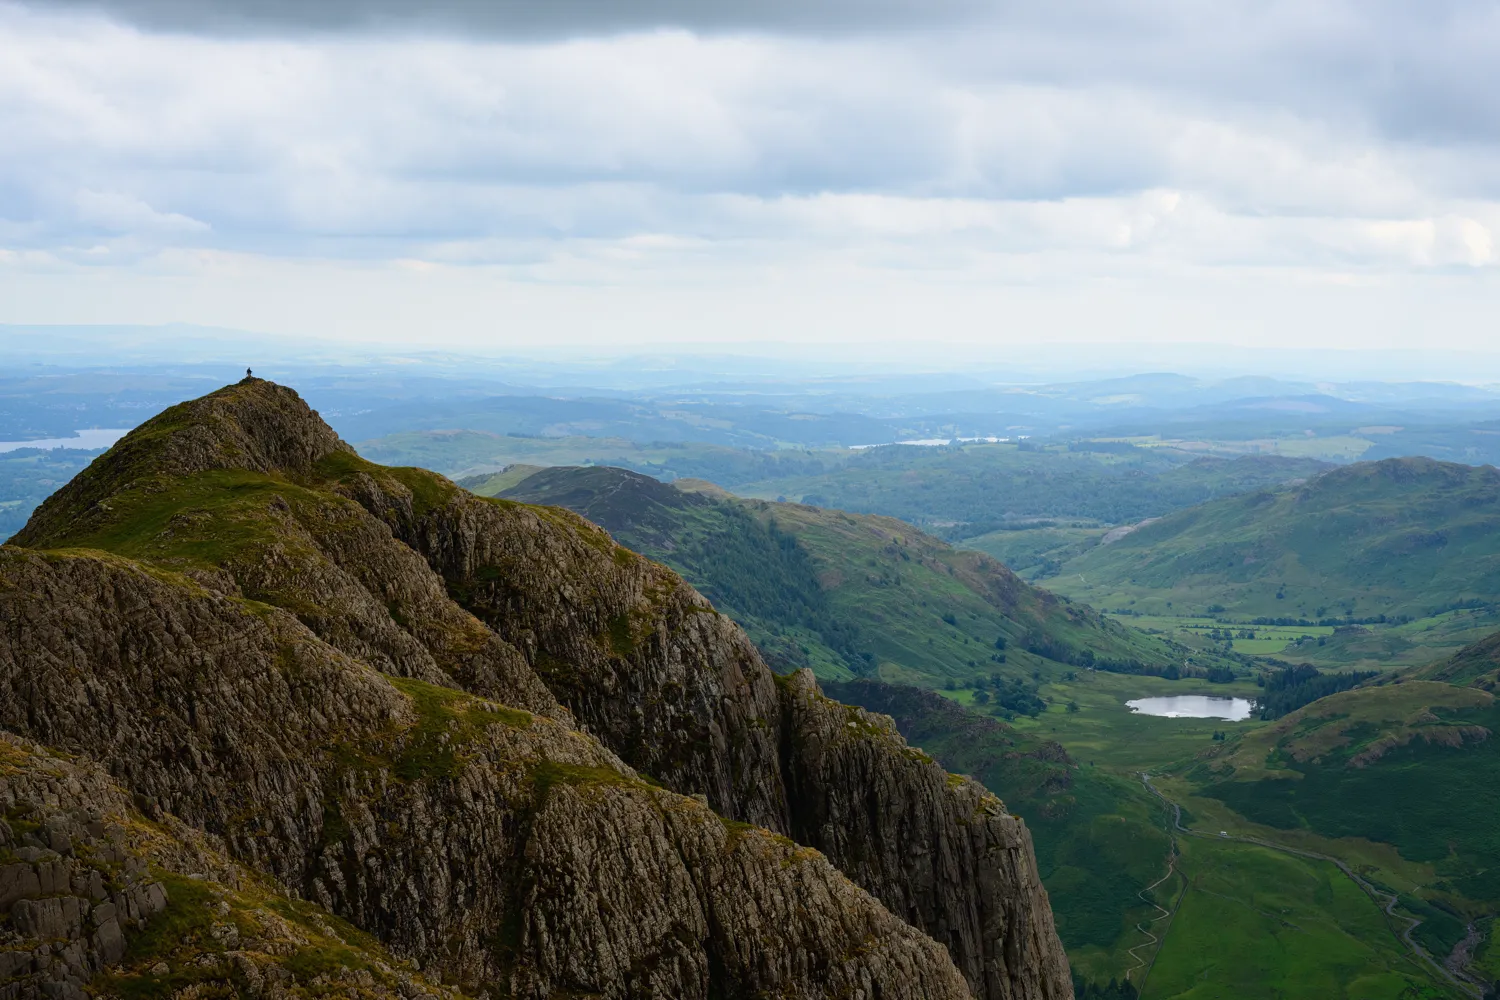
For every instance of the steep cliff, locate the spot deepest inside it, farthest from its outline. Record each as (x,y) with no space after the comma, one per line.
(365,681)
(93,893)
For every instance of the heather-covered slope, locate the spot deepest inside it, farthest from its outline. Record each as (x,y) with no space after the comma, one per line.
(365,680)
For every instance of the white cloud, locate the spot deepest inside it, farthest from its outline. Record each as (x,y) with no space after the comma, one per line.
(1149,145)
(122,213)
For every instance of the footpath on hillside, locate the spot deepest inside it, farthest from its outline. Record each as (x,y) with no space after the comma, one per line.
(1387,901)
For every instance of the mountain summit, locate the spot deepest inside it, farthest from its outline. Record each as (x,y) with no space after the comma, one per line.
(323,717)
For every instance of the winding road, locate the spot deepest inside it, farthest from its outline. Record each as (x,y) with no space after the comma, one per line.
(1144,926)
(1386,900)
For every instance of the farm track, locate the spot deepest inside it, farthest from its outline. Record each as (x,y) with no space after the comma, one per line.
(1387,901)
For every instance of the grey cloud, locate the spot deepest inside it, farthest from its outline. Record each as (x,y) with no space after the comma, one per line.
(1427,72)
(528,18)
(1275,133)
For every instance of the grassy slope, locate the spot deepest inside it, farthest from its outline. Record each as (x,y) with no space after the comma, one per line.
(1408,763)
(1256,923)
(1036,550)
(1476,664)
(1376,646)
(842,593)
(1401,536)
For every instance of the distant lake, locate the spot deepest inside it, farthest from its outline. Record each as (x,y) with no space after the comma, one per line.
(88,440)
(1194,706)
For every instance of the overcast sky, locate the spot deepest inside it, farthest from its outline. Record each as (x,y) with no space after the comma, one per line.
(924,176)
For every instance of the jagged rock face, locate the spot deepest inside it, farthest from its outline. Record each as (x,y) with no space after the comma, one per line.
(282,665)
(85,881)
(940,851)
(672,686)
(496,846)
(681,694)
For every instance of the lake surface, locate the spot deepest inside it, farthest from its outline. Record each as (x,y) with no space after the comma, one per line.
(1194,706)
(94,437)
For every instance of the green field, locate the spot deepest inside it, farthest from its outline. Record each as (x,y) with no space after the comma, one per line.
(1207,633)
(1365,647)
(1411,644)
(1399,779)
(1253,922)
(1432,793)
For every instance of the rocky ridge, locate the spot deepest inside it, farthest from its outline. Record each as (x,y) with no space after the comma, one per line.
(390,695)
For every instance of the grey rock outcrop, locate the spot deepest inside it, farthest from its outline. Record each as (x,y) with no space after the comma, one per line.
(365,682)
(85,904)
(680,693)
(493,845)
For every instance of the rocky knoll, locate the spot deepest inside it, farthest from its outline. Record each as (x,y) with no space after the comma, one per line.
(474,729)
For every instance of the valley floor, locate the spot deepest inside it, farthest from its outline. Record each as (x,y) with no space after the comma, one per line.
(1244,920)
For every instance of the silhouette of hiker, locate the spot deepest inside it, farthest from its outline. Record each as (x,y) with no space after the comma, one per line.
(247,373)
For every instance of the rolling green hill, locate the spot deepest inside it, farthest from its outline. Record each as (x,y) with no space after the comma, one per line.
(847,594)
(1408,536)
(1477,665)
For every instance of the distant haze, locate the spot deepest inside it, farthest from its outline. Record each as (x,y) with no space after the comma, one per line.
(641,364)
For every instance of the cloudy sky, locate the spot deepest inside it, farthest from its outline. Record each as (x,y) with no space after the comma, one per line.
(910,176)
